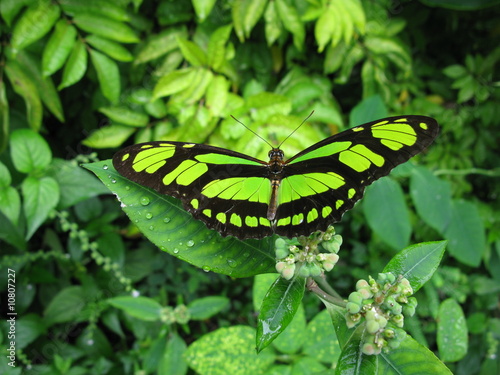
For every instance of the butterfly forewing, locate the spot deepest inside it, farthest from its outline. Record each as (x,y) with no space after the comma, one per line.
(231,192)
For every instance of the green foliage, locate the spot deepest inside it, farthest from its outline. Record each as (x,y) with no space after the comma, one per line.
(94,296)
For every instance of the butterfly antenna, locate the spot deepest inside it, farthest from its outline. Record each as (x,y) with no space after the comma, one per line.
(297,128)
(235,119)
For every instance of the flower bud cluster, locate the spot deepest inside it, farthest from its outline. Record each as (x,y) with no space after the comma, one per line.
(382,304)
(304,258)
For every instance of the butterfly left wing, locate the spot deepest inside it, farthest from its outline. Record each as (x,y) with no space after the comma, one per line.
(227,190)
(324,181)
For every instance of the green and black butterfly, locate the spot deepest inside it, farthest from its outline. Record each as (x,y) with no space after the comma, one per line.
(244,197)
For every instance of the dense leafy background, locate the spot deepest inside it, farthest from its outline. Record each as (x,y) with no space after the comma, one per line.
(80,79)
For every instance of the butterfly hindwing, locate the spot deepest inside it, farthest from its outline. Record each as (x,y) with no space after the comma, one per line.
(225,189)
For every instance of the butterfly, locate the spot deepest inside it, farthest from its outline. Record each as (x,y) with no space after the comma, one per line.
(241,196)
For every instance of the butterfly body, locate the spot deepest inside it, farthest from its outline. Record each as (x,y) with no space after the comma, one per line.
(242,196)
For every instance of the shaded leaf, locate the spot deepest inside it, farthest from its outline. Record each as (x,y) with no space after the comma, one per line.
(75,67)
(142,308)
(65,306)
(58,47)
(204,308)
(34,23)
(108,75)
(452,333)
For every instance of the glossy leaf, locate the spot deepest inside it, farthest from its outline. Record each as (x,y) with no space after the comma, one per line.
(75,66)
(417,263)
(452,333)
(58,47)
(292,339)
(386,212)
(109,136)
(142,308)
(203,8)
(107,74)
(34,23)
(112,49)
(205,308)
(432,198)
(24,86)
(162,220)
(466,236)
(106,27)
(29,151)
(125,116)
(228,351)
(278,309)
(173,82)
(40,196)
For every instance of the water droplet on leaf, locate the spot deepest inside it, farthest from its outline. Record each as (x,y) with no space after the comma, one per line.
(144,201)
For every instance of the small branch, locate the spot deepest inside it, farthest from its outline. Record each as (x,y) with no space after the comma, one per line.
(462,172)
(313,287)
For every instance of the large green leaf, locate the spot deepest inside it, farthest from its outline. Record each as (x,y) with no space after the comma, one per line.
(29,151)
(75,67)
(165,223)
(432,198)
(58,47)
(108,75)
(417,263)
(386,212)
(467,240)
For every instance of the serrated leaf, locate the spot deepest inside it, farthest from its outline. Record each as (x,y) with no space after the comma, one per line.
(58,47)
(34,23)
(417,263)
(24,86)
(142,308)
(40,196)
(291,21)
(75,66)
(125,116)
(452,332)
(192,52)
(109,136)
(65,306)
(173,82)
(162,220)
(106,27)
(108,75)
(229,351)
(205,308)
(432,198)
(385,209)
(112,49)
(278,309)
(29,151)
(466,236)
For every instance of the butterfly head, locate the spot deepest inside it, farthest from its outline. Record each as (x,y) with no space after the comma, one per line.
(276,155)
